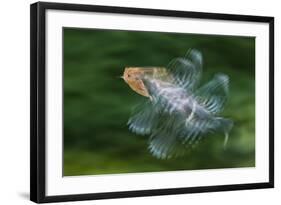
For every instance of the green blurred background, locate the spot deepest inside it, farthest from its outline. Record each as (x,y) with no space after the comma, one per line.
(97,104)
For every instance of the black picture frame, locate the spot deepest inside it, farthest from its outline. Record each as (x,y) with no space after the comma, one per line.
(38,101)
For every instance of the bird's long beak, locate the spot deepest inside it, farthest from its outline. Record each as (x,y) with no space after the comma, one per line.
(122,77)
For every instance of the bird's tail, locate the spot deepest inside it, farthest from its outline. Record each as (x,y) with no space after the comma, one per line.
(225,125)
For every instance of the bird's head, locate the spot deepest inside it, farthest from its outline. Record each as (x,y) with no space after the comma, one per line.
(132,74)
(133,77)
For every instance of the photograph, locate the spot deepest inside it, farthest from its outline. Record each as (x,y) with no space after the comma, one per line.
(143,101)
(133,102)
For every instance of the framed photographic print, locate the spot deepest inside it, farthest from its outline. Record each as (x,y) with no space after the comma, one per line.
(129,102)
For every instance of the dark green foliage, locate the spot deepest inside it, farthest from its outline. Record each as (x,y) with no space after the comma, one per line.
(97,104)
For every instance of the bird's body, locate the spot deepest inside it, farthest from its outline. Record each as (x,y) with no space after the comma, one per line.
(176,114)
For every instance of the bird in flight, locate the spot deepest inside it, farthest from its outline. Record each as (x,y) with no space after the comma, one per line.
(176,112)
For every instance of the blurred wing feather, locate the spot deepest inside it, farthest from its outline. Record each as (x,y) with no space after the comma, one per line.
(186,71)
(143,118)
(213,94)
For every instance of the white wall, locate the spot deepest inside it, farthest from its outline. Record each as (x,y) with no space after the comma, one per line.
(14,101)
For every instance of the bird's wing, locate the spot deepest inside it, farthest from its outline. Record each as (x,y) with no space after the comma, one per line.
(163,141)
(186,71)
(174,135)
(213,94)
(143,118)
(146,114)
